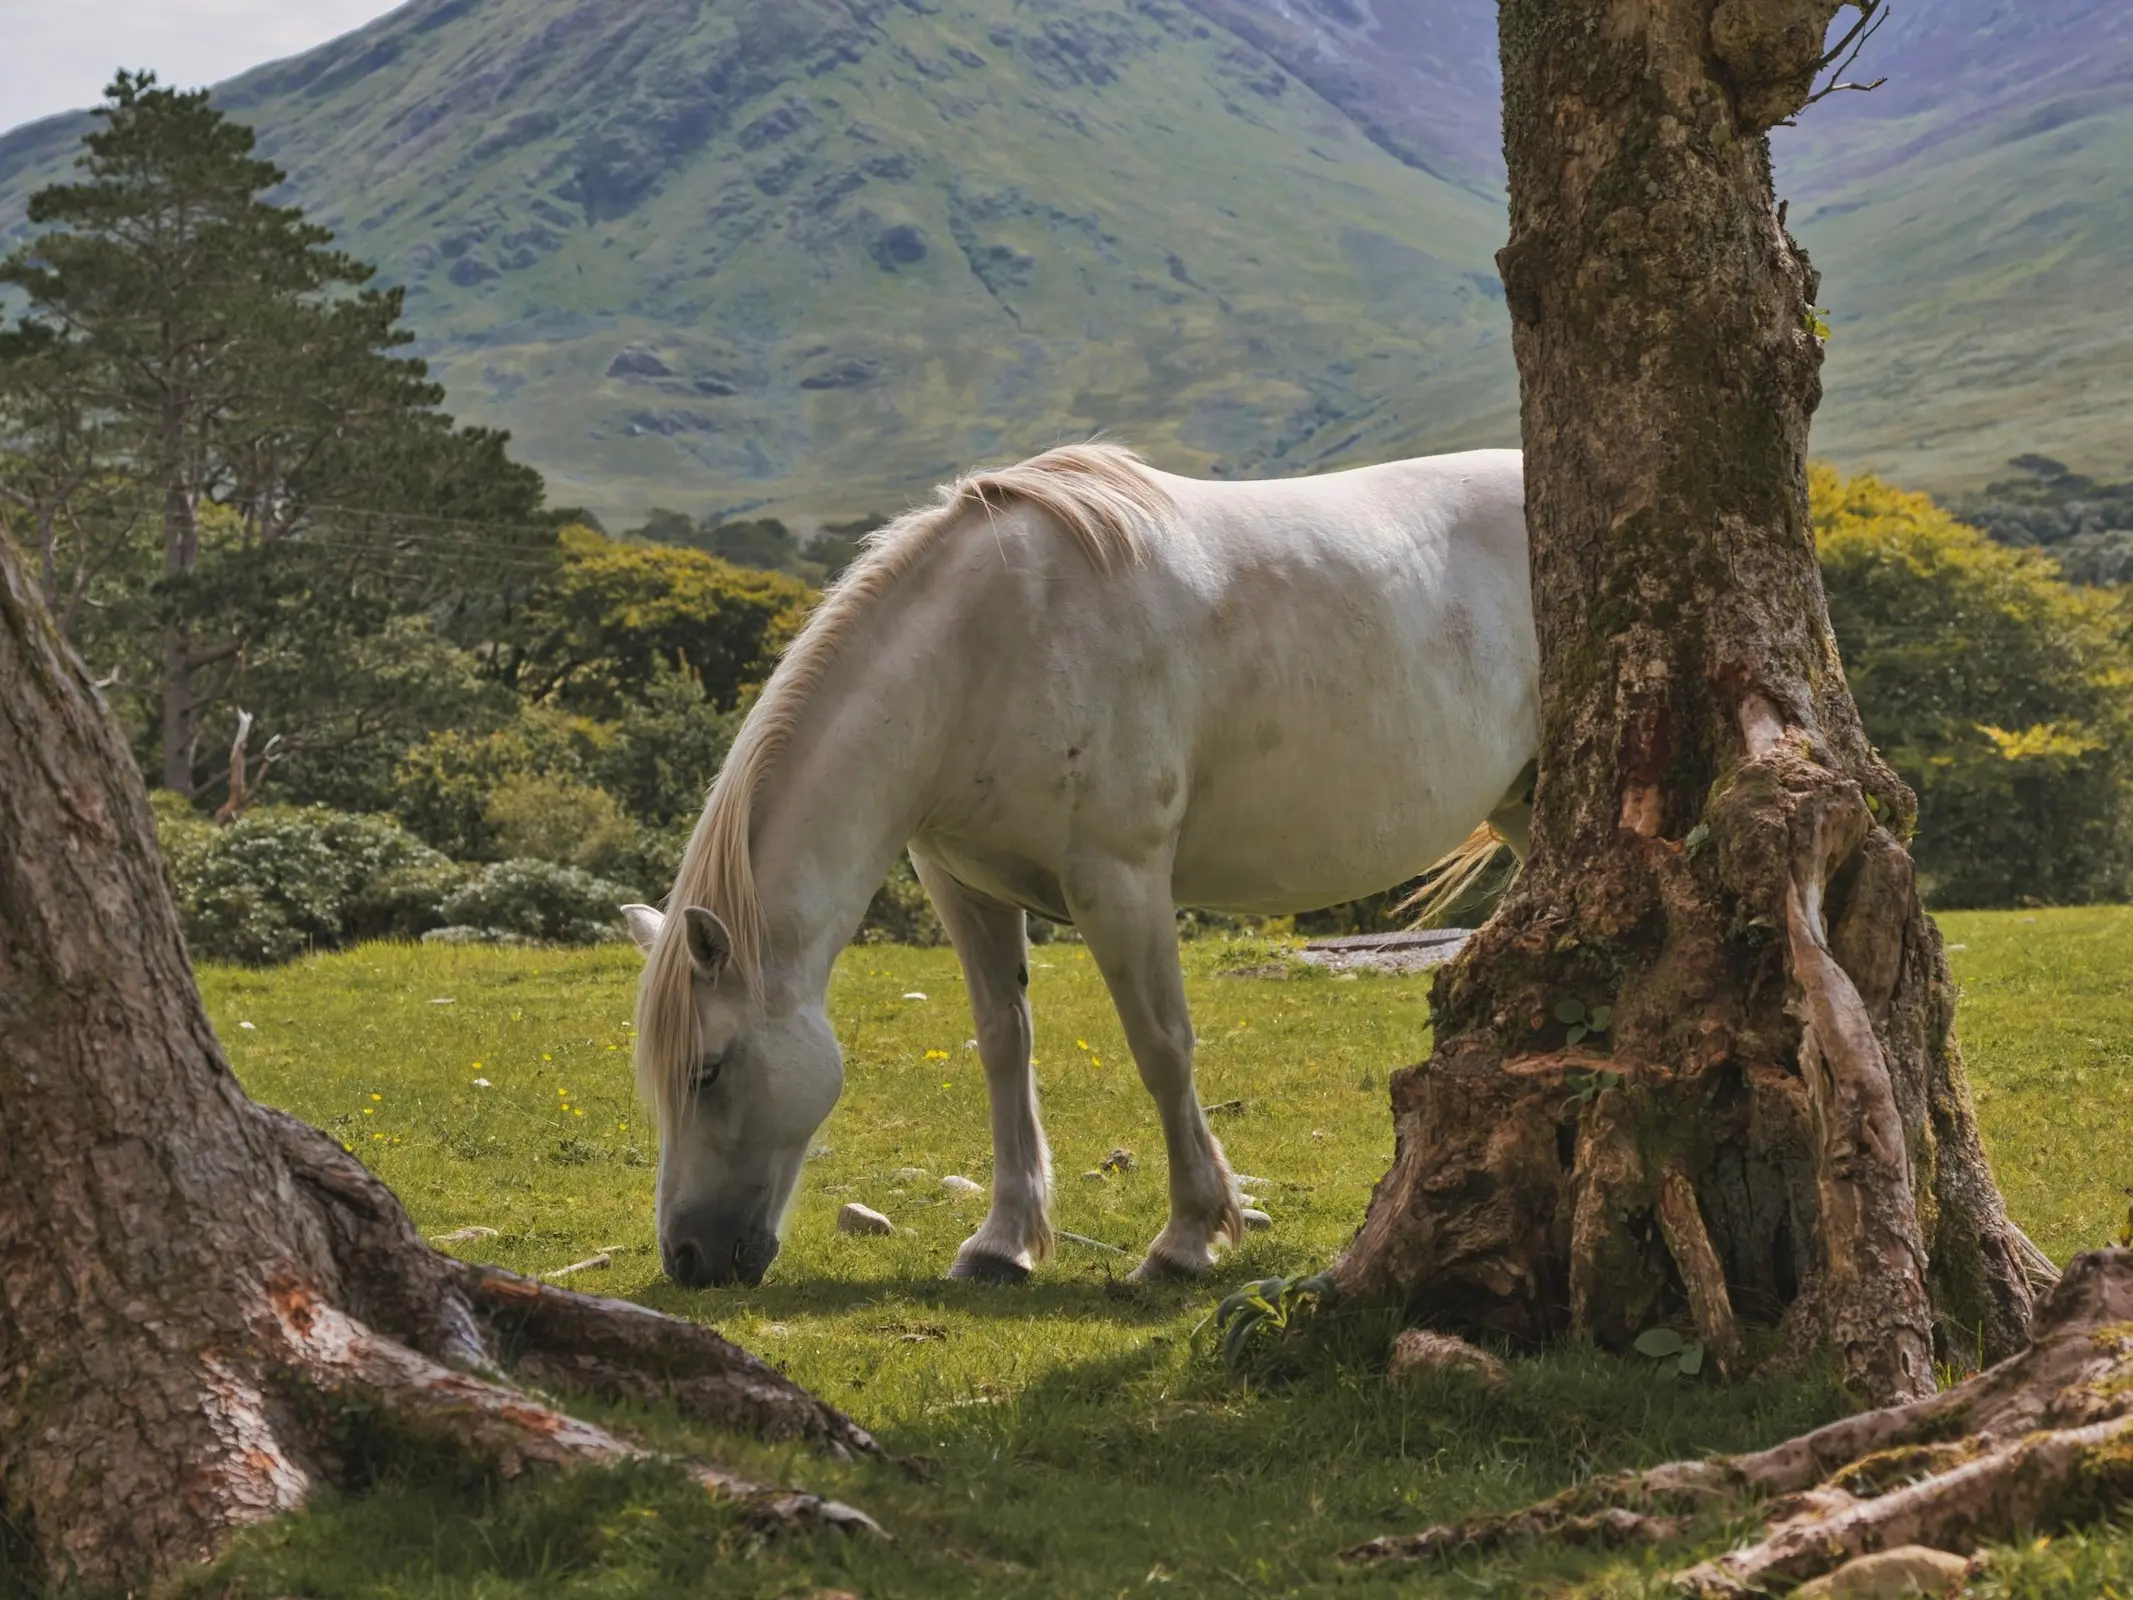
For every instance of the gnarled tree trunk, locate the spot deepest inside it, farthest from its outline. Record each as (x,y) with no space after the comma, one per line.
(1700,1067)
(192,1286)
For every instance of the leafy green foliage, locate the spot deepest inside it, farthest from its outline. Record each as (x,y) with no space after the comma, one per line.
(536,902)
(282,880)
(1676,1356)
(444,787)
(595,637)
(1250,1327)
(2002,695)
(1586,1087)
(1579,1023)
(2083,524)
(900,913)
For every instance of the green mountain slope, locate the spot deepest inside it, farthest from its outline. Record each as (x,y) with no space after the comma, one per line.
(1973,221)
(813,254)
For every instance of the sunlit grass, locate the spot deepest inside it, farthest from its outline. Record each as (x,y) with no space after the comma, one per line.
(1067,1439)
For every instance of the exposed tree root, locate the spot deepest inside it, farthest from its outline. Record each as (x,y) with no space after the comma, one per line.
(2040,1441)
(496,1423)
(485,1319)
(620,1350)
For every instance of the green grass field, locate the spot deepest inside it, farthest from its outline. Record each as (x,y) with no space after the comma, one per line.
(1064,1438)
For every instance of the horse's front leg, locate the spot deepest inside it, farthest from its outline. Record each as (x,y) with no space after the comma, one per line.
(990,940)
(1130,925)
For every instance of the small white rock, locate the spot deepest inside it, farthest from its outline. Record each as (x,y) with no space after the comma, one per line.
(914,994)
(907,1174)
(247,1025)
(481,1083)
(852,1217)
(956,1183)
(1257,1221)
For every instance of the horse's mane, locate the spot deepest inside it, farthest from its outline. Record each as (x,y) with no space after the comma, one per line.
(1104,496)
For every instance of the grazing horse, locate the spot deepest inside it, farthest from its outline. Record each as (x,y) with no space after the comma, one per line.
(1086,689)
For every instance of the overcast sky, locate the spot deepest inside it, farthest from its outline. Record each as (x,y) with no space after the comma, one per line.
(57,55)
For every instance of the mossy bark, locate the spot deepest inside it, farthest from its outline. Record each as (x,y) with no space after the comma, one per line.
(1717,853)
(184,1274)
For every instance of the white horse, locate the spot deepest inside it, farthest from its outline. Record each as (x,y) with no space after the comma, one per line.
(1095,691)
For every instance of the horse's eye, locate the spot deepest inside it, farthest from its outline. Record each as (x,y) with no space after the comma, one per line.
(707,1072)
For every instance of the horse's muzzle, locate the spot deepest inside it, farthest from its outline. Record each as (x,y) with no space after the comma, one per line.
(700,1251)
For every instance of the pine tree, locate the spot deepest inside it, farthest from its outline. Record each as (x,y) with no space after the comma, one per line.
(193,341)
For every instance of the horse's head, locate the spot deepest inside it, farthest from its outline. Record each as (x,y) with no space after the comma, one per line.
(739,1088)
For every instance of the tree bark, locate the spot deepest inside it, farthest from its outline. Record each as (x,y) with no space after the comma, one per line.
(2040,1442)
(193,1287)
(1711,1026)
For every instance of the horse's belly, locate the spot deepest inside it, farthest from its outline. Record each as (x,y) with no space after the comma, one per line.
(1285,847)
(1342,801)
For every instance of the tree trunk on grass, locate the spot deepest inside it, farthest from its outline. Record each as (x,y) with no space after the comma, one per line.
(1700,1067)
(199,1295)
(2042,1441)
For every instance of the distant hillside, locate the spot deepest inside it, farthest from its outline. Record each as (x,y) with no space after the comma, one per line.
(810,255)
(1973,221)
(813,254)
(1972,217)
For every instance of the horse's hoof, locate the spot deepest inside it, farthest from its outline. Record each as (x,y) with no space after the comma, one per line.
(988,1269)
(1158,1268)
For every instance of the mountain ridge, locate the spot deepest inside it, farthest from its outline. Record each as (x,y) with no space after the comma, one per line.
(810,255)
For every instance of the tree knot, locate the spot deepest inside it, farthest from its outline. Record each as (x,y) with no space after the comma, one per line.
(1771,50)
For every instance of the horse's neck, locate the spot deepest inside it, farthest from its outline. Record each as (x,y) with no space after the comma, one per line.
(840,802)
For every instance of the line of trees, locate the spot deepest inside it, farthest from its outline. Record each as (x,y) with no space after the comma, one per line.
(314,599)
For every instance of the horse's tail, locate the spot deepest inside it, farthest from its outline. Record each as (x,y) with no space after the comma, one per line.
(1449,880)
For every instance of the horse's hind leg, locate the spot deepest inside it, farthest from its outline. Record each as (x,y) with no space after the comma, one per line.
(989,938)
(1130,925)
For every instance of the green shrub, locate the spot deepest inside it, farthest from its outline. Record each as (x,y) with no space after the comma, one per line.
(2001,694)
(539,901)
(664,749)
(614,615)
(444,786)
(558,819)
(900,913)
(284,879)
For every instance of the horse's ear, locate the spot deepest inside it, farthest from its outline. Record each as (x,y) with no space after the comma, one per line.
(710,945)
(644,923)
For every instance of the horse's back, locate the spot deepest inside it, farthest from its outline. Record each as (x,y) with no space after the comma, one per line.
(1306,690)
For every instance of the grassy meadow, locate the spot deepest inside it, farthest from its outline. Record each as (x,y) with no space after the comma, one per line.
(1064,1438)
